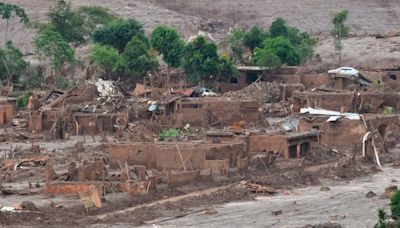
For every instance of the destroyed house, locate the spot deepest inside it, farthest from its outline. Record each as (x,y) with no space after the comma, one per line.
(206,112)
(8,110)
(90,108)
(179,155)
(289,145)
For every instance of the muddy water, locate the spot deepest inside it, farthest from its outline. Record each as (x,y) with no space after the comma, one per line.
(345,204)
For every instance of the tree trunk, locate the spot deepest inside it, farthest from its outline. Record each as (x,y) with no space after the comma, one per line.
(168,80)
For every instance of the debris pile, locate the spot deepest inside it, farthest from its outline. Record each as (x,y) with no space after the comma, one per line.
(263,92)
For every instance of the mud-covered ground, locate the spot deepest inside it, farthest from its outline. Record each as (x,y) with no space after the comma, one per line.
(345,203)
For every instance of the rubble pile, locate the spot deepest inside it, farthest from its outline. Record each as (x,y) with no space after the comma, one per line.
(263,92)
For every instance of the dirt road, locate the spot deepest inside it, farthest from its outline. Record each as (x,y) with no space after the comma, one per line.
(345,204)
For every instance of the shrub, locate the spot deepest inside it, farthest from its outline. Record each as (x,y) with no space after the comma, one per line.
(170,134)
(22,101)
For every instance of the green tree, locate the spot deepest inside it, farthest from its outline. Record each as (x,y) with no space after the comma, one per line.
(227,69)
(12,64)
(266,58)
(76,25)
(66,22)
(137,58)
(254,38)
(169,44)
(7,11)
(201,60)
(278,28)
(281,47)
(340,31)
(236,45)
(203,64)
(303,43)
(52,49)
(105,58)
(118,33)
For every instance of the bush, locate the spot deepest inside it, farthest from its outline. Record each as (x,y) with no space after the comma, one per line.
(395,206)
(170,134)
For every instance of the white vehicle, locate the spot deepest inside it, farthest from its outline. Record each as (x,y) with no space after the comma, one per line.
(208,93)
(345,71)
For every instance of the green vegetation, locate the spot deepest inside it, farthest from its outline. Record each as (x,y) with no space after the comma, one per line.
(202,62)
(76,25)
(137,58)
(384,221)
(7,11)
(52,49)
(12,64)
(236,44)
(278,28)
(254,38)
(340,31)
(65,22)
(169,44)
(22,101)
(118,33)
(388,110)
(170,134)
(106,59)
(277,47)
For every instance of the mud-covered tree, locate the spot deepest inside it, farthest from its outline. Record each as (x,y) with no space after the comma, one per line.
(118,33)
(106,59)
(340,31)
(168,43)
(254,38)
(53,50)
(12,63)
(137,59)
